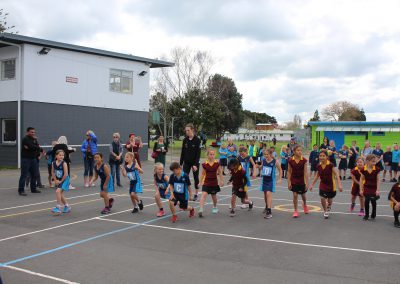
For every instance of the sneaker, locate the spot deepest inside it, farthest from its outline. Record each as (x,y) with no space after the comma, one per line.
(66,209)
(140,205)
(201,213)
(86,185)
(160,213)
(352,205)
(93,184)
(365,218)
(361,213)
(373,215)
(56,211)
(268,215)
(397,224)
(191,213)
(393,180)
(326,214)
(105,211)
(232,213)
(214,210)
(265,211)
(230,206)
(195,197)
(251,205)
(135,210)
(174,218)
(243,206)
(306,210)
(111,202)
(295,214)
(350,177)
(72,187)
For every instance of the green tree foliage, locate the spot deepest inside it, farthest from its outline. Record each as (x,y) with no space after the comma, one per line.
(259,117)
(4,26)
(316,116)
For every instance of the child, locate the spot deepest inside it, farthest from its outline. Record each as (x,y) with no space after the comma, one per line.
(313,160)
(274,154)
(387,160)
(332,152)
(355,188)
(180,190)
(327,173)
(252,152)
(231,154)
(268,171)
(284,159)
(239,182)
(248,164)
(223,158)
(343,155)
(107,185)
(260,156)
(378,152)
(50,158)
(394,197)
(61,180)
(161,183)
(132,170)
(370,185)
(395,162)
(298,179)
(209,181)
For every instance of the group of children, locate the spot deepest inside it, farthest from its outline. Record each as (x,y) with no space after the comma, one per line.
(176,188)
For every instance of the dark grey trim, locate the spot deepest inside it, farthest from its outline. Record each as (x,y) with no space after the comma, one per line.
(19,39)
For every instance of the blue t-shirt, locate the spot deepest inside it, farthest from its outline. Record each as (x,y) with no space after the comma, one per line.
(180,185)
(395,156)
(231,154)
(223,153)
(284,157)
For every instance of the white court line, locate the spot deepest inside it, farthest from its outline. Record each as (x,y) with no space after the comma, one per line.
(255,239)
(39,274)
(50,201)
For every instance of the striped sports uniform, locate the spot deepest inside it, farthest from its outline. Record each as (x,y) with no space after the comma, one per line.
(297,178)
(59,173)
(355,188)
(162,185)
(327,185)
(102,175)
(135,183)
(268,174)
(210,182)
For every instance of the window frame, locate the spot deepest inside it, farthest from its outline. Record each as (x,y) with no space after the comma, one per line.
(3,128)
(2,61)
(122,75)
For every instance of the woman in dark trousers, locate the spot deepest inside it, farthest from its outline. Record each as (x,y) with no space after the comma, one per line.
(190,155)
(161,148)
(62,144)
(115,160)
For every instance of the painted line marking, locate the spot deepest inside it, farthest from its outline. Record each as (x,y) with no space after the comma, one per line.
(39,274)
(256,239)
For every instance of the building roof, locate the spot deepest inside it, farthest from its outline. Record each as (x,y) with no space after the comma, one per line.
(376,126)
(20,39)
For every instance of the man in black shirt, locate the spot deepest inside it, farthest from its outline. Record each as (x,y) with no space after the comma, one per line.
(30,150)
(190,155)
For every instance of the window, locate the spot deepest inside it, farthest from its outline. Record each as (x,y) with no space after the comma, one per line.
(281,135)
(378,133)
(8,69)
(121,81)
(9,130)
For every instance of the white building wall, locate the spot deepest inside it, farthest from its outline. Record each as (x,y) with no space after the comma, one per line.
(9,88)
(45,79)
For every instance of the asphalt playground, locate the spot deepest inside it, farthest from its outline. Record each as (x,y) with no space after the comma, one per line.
(87,247)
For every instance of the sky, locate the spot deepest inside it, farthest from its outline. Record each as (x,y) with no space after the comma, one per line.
(286,56)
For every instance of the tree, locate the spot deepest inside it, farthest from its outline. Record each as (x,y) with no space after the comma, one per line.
(342,111)
(259,117)
(4,27)
(316,116)
(295,124)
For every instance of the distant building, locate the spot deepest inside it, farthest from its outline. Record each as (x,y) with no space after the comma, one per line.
(65,89)
(259,135)
(265,126)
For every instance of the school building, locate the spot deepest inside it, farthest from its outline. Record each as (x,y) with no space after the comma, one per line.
(65,89)
(259,135)
(343,132)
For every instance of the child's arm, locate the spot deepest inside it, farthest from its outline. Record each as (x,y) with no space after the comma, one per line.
(354,179)
(138,168)
(254,166)
(170,188)
(378,184)
(96,176)
(65,170)
(336,175)
(362,180)
(53,175)
(123,170)
(395,202)
(278,166)
(289,175)
(314,181)
(203,177)
(306,175)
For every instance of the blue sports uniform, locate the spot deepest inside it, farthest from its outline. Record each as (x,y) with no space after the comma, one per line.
(162,185)
(245,162)
(59,173)
(102,175)
(135,183)
(268,174)
(180,187)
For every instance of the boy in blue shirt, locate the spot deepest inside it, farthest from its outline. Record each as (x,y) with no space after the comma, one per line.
(181,192)
(395,161)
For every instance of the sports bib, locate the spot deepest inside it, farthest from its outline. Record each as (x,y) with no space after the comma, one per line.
(243,165)
(266,171)
(59,174)
(179,187)
(161,185)
(131,176)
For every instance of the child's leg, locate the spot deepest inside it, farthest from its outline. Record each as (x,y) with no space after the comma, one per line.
(203,200)
(330,201)
(172,207)
(63,200)
(390,174)
(366,204)
(384,174)
(362,202)
(323,203)
(353,199)
(266,199)
(303,196)
(373,213)
(233,202)
(134,199)
(106,198)
(214,199)
(157,197)
(269,200)
(58,196)
(295,200)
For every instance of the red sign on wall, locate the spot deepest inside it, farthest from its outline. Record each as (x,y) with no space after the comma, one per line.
(72,80)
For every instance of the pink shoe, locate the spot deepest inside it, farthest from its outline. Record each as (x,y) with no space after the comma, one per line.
(306,210)
(352,207)
(361,213)
(160,213)
(295,214)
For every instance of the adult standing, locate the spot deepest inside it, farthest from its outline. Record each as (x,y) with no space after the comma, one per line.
(274,141)
(190,155)
(88,149)
(292,144)
(366,150)
(115,160)
(62,144)
(30,150)
(134,145)
(161,148)
(231,144)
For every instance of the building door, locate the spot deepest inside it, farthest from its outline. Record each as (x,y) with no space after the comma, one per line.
(338,137)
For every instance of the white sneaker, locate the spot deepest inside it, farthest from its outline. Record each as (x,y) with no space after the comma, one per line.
(86,185)
(93,185)
(326,214)
(72,187)
(244,206)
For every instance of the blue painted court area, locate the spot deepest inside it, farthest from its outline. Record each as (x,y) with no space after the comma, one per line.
(86,247)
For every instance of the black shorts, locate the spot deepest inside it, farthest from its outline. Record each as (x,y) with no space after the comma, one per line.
(395,166)
(211,189)
(240,194)
(183,203)
(49,169)
(343,164)
(299,188)
(314,167)
(327,194)
(284,167)
(223,162)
